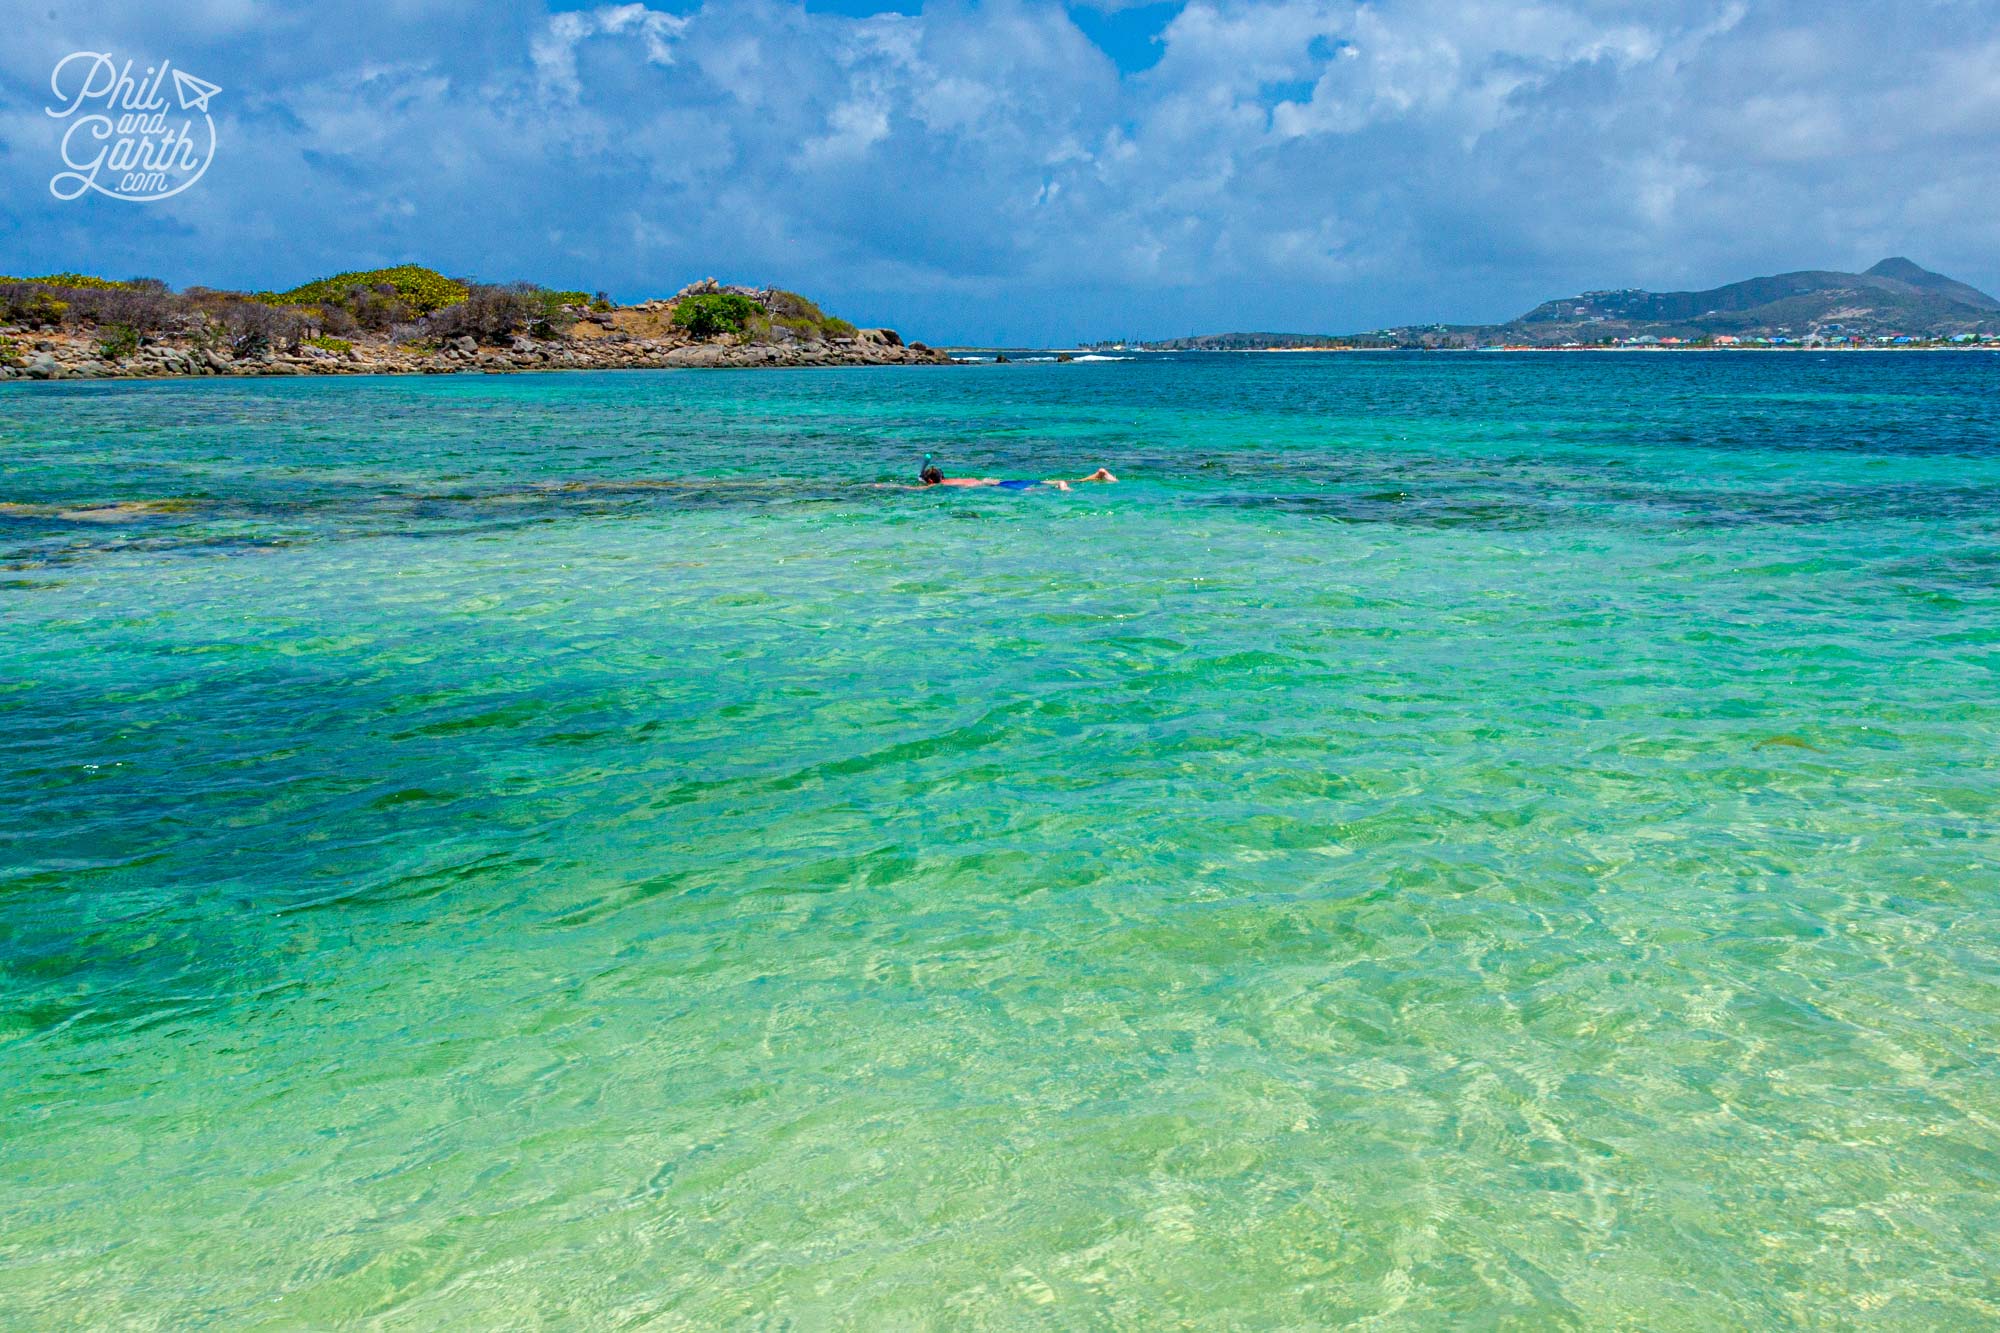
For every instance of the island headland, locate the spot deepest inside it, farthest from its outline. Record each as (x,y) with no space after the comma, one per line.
(411,320)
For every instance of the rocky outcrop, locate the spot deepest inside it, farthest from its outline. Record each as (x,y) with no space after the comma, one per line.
(54,356)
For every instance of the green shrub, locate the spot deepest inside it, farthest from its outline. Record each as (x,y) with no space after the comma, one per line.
(714,313)
(10,351)
(788,306)
(556,309)
(327,344)
(424,289)
(119,341)
(31,304)
(805,318)
(82,281)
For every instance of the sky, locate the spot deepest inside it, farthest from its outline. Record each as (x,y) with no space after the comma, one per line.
(1038,172)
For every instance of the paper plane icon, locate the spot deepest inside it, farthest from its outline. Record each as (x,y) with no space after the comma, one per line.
(194,93)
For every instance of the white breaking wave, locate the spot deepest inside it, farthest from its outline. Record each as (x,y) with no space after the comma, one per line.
(1092,356)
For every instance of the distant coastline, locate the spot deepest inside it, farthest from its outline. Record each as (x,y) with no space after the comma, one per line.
(1989,345)
(1894,305)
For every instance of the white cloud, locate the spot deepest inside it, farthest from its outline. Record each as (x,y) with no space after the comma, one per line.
(553,51)
(1323,163)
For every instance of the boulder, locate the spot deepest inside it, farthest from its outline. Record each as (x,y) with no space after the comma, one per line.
(702,354)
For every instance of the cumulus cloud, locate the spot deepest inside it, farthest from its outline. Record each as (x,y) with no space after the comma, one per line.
(553,50)
(985,170)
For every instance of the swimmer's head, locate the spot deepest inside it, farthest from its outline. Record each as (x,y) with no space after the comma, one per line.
(931,475)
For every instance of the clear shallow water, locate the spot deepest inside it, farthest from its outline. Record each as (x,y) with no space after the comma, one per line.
(1503,842)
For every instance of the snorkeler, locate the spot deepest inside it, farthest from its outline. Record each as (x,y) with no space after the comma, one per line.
(932,475)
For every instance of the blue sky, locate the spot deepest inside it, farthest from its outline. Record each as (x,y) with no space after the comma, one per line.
(1031,171)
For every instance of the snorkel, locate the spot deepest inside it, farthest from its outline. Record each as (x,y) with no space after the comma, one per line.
(927,474)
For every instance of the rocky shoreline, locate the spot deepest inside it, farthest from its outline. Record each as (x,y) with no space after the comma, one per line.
(66,356)
(411,320)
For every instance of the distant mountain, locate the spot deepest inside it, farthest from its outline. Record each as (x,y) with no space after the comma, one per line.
(1903,271)
(1894,298)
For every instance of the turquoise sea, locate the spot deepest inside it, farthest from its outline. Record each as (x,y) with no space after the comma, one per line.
(1475,842)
